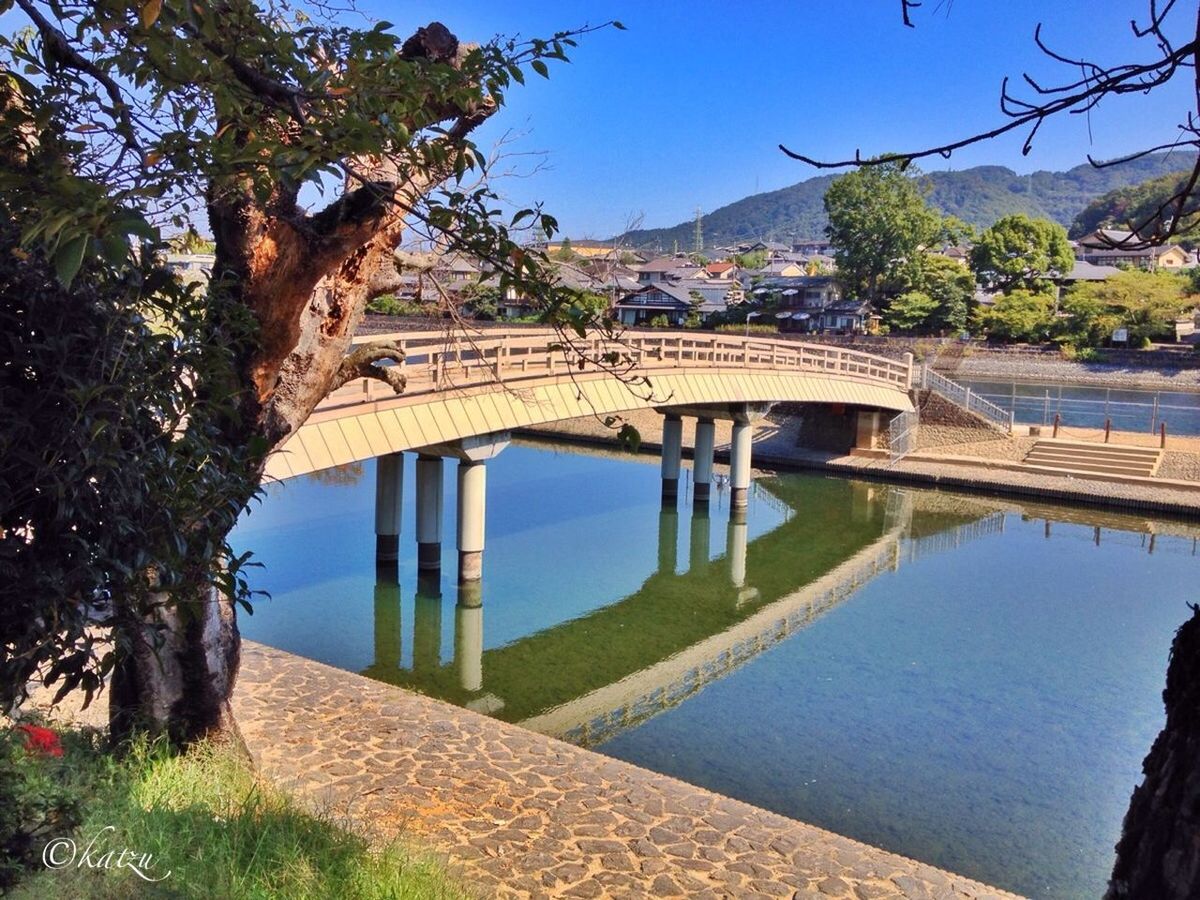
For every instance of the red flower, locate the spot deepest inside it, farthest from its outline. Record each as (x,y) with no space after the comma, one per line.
(41,740)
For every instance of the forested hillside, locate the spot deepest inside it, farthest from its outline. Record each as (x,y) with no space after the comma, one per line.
(979,196)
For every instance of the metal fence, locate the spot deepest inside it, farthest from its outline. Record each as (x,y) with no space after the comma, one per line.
(902,435)
(1089,406)
(966,398)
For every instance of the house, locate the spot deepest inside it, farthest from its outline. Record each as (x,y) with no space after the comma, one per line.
(667,268)
(662,298)
(1086,271)
(799,300)
(1110,247)
(813,247)
(716,293)
(847,317)
(721,270)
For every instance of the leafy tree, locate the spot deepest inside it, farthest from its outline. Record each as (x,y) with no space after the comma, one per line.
(121,116)
(1147,303)
(749,261)
(879,223)
(951,286)
(1020,252)
(1020,315)
(1088,321)
(565,253)
(911,311)
(482,301)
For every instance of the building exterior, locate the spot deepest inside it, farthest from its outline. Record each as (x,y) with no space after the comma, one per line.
(1103,247)
(662,298)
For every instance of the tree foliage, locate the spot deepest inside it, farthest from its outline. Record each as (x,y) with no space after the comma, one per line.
(879,223)
(121,117)
(117,488)
(1020,252)
(1020,315)
(1146,303)
(950,288)
(911,311)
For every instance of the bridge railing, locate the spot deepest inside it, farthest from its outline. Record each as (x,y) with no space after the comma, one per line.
(438,360)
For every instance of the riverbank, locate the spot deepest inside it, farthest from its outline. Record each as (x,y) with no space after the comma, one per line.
(1034,367)
(971,466)
(518,814)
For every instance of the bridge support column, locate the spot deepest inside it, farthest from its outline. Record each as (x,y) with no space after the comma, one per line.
(429,513)
(389,494)
(672,450)
(739,464)
(472,500)
(737,536)
(468,637)
(702,461)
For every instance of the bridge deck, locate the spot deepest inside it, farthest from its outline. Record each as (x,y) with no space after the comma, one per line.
(460,386)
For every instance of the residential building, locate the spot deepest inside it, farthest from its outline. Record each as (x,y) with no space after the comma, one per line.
(662,298)
(1110,247)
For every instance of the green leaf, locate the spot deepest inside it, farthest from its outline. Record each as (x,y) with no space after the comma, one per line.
(619,26)
(540,67)
(69,258)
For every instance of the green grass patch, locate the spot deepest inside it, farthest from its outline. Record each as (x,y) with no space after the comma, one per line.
(208,821)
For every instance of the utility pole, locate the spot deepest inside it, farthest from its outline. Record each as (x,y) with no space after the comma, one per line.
(698,241)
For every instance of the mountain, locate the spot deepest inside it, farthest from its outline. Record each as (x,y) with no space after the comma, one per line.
(979,196)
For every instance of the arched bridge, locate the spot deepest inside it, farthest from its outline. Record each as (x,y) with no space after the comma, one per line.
(466,393)
(463,388)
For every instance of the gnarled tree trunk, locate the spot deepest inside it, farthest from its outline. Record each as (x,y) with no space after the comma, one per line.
(306,280)
(1158,855)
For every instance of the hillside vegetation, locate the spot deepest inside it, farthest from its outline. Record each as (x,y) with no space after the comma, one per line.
(979,196)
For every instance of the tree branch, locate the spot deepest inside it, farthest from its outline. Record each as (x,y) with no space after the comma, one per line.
(360,363)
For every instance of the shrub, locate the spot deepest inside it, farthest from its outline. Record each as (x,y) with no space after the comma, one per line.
(388,305)
(41,796)
(660,322)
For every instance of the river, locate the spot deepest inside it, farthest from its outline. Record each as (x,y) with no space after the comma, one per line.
(967,681)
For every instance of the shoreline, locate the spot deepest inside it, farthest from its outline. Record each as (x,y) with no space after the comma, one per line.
(976,479)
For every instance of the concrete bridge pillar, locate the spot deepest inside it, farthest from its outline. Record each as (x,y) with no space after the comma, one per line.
(702,465)
(429,513)
(468,637)
(389,495)
(472,502)
(472,453)
(739,464)
(672,451)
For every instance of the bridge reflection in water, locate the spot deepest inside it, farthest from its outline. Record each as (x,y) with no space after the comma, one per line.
(590,678)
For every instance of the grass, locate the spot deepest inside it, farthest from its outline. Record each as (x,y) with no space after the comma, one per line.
(205,818)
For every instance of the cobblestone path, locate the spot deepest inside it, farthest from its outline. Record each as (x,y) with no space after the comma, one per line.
(523,815)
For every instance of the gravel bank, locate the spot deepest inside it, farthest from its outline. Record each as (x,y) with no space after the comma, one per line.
(1051,368)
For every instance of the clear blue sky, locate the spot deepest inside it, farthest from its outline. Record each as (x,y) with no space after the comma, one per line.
(686,107)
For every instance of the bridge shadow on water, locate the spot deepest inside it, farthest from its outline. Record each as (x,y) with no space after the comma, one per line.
(595,676)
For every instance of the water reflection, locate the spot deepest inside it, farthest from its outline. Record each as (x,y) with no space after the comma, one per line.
(604,672)
(983,703)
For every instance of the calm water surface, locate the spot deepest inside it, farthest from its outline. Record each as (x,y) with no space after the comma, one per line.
(966,681)
(1088,406)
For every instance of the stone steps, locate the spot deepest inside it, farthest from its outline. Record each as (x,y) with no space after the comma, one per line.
(1108,459)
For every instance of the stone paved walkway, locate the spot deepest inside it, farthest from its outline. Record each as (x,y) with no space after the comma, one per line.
(525,815)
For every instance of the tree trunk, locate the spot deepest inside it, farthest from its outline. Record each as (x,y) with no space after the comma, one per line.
(175,671)
(1159,852)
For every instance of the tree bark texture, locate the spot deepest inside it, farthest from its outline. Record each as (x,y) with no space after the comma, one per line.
(1158,855)
(306,279)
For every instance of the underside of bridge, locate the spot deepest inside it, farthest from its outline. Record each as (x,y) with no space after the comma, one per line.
(351,433)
